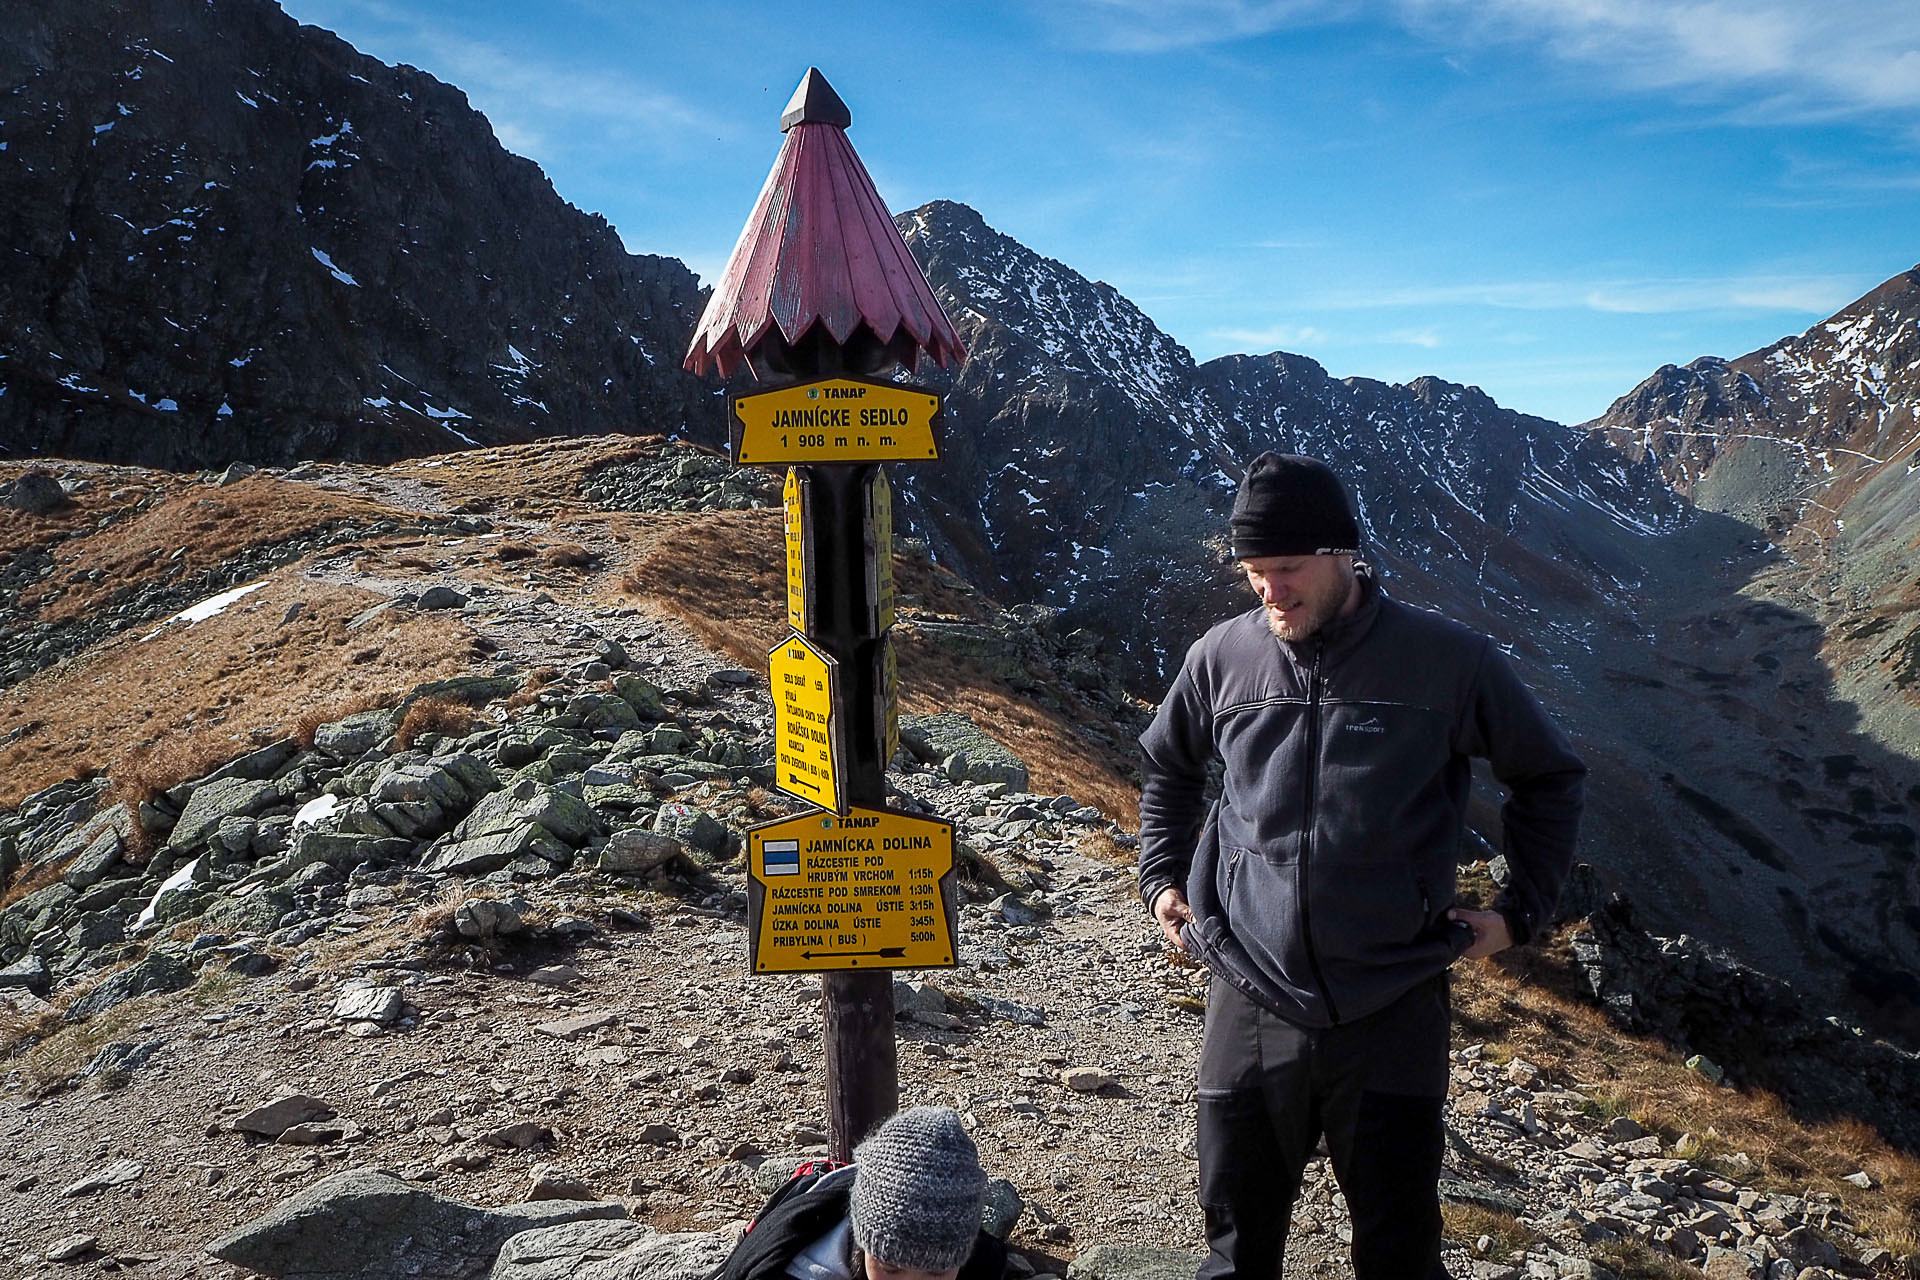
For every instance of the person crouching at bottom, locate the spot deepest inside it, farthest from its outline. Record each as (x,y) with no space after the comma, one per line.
(907,1208)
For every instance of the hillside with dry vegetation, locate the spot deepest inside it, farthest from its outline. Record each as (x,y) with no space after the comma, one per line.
(409,799)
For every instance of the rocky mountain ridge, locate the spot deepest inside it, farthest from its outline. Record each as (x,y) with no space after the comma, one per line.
(1815,442)
(1089,457)
(231,237)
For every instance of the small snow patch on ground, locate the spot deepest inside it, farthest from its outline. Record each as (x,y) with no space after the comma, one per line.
(178,880)
(321,806)
(338,274)
(206,608)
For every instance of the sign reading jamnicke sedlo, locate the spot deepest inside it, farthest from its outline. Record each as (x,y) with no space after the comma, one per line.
(839,419)
(871,890)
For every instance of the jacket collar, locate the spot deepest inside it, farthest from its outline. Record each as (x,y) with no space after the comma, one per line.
(1342,635)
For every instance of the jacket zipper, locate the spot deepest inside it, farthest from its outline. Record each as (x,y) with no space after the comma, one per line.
(1306,849)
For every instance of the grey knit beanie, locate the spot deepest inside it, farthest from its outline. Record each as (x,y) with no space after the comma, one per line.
(919,1191)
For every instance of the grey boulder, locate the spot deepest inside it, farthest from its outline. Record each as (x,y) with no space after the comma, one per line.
(160,972)
(272,1119)
(37,492)
(1135,1262)
(632,851)
(366,1225)
(691,826)
(354,736)
(214,802)
(962,749)
(612,1251)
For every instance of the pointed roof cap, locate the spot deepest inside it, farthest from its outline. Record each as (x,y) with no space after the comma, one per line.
(820,260)
(815,102)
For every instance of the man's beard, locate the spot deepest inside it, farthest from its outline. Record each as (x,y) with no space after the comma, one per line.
(1318,613)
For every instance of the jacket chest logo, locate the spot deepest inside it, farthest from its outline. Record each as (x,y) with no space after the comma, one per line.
(1370,725)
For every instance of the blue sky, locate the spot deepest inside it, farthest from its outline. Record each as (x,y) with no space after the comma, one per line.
(1545,198)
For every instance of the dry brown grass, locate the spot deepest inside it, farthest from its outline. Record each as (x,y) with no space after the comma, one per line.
(1466,1223)
(436,914)
(566,555)
(16,1028)
(146,771)
(62,1050)
(1635,1261)
(507,552)
(529,691)
(23,529)
(1526,1004)
(304,726)
(443,716)
(200,692)
(722,574)
(1100,844)
(203,527)
(498,477)
(32,879)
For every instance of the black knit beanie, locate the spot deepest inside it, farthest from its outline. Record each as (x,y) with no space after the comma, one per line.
(1292,506)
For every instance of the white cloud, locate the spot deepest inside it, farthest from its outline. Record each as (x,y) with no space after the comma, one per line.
(1784,57)
(1272,338)
(1816,295)
(1766,59)
(1155,26)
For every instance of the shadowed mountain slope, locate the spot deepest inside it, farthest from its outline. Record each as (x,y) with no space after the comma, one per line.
(225,235)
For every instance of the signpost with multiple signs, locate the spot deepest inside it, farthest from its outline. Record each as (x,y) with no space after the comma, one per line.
(850,888)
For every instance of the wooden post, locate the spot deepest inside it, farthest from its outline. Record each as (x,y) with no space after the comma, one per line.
(863,1082)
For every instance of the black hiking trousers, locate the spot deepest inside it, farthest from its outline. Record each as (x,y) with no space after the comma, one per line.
(1269,1089)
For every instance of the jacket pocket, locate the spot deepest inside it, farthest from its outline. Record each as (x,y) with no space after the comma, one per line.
(1368,911)
(1230,859)
(1265,911)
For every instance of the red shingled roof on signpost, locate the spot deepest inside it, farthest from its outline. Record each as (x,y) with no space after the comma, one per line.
(820,264)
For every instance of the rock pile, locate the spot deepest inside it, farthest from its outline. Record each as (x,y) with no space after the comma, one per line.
(681,481)
(600,770)
(1756,1027)
(1579,1182)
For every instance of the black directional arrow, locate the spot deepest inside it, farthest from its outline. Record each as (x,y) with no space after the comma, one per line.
(798,781)
(885,953)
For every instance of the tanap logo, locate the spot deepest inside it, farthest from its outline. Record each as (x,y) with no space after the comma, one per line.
(813,393)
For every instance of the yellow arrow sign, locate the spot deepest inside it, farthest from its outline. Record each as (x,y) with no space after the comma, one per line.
(871,890)
(836,420)
(806,732)
(799,553)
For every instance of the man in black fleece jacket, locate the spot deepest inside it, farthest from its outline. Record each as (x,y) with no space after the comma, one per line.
(1318,889)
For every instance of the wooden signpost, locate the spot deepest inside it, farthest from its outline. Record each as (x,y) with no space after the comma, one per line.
(819,296)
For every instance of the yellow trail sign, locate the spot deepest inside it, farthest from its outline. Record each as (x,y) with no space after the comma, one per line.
(870,890)
(806,730)
(799,553)
(836,420)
